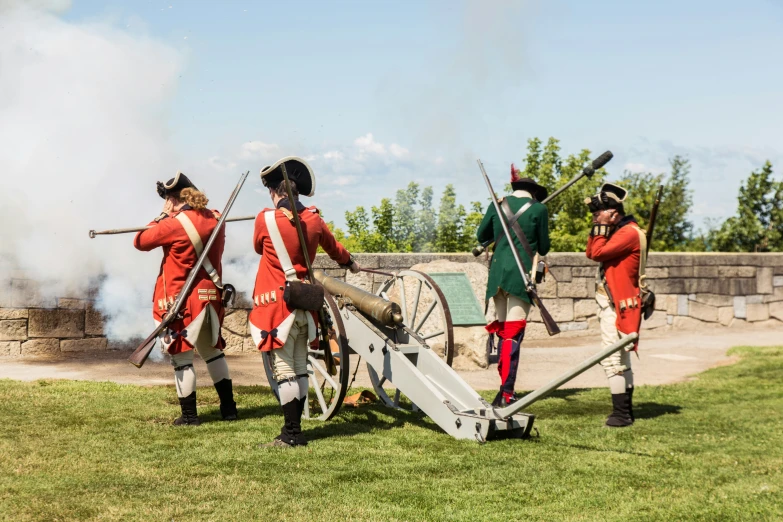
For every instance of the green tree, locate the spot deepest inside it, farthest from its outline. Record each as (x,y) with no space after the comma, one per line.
(472,221)
(451,218)
(405,223)
(426,223)
(673,230)
(758,225)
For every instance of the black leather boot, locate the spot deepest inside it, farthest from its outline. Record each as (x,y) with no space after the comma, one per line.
(298,436)
(189,416)
(621,410)
(287,437)
(228,408)
(630,403)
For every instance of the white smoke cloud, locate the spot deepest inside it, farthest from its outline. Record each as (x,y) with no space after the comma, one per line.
(83,134)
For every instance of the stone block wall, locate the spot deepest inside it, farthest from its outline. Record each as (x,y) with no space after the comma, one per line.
(71,325)
(693,290)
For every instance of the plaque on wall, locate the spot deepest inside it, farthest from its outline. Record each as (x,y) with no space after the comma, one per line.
(463,305)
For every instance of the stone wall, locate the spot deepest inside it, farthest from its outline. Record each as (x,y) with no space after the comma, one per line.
(693,290)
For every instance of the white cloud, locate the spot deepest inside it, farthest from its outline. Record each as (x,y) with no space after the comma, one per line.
(334,155)
(342,180)
(253,150)
(398,152)
(635,167)
(367,144)
(220,164)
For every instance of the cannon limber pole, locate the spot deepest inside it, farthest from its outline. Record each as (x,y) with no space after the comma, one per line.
(554,384)
(112,231)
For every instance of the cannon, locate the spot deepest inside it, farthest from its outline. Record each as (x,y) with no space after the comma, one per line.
(405,336)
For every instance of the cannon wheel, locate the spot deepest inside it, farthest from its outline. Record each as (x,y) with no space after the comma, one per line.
(326,392)
(427,296)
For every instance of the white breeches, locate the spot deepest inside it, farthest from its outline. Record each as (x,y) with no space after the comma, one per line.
(510,307)
(291,359)
(618,365)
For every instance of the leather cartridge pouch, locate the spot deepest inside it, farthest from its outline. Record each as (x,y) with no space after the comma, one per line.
(303,296)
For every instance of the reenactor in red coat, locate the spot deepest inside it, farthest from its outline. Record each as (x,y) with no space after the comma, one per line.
(181,230)
(274,325)
(617,243)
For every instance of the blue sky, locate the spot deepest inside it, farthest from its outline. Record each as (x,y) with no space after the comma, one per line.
(380,93)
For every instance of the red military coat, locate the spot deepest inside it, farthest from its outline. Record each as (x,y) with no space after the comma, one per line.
(271,318)
(620,255)
(179,256)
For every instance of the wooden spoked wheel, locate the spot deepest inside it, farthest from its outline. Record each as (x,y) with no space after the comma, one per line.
(326,392)
(424,309)
(425,312)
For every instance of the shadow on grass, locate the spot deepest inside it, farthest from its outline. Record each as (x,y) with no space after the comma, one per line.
(651,410)
(366,419)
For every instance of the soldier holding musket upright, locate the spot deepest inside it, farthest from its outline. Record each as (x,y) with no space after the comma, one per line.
(283,320)
(505,285)
(620,246)
(181,230)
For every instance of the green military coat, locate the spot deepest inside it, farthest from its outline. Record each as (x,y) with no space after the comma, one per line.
(503,271)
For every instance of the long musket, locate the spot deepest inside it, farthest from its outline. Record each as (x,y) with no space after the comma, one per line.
(549,322)
(140,354)
(587,172)
(653,216)
(325,345)
(112,231)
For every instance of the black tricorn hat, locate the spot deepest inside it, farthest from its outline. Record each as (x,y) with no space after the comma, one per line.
(298,171)
(174,185)
(609,196)
(537,191)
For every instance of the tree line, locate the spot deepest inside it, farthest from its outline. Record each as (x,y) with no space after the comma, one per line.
(410,222)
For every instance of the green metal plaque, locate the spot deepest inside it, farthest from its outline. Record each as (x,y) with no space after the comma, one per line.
(463,305)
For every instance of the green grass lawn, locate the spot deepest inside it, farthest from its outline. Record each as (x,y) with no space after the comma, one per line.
(710,449)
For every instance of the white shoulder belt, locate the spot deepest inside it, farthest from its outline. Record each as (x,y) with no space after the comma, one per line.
(195,240)
(277,241)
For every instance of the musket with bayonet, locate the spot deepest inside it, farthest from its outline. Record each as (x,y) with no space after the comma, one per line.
(549,322)
(94,233)
(140,354)
(653,216)
(586,172)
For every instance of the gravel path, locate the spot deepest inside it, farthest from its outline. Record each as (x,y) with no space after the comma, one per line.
(664,358)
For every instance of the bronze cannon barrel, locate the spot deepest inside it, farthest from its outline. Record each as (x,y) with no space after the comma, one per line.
(383,311)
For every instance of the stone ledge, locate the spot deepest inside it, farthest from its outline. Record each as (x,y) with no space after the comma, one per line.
(13,330)
(59,323)
(90,344)
(10,348)
(13,313)
(41,347)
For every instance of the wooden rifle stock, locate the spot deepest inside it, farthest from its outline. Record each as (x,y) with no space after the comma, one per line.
(551,325)
(140,354)
(324,344)
(546,317)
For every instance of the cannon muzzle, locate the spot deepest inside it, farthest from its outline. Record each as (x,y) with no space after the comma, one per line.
(381,310)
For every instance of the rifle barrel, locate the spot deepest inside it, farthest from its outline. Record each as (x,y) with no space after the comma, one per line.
(112,231)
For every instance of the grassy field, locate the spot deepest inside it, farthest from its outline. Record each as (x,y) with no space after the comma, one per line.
(710,449)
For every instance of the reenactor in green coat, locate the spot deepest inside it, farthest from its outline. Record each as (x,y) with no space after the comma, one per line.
(505,285)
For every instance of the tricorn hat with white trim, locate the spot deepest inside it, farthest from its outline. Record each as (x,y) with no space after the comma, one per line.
(298,171)
(174,185)
(609,196)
